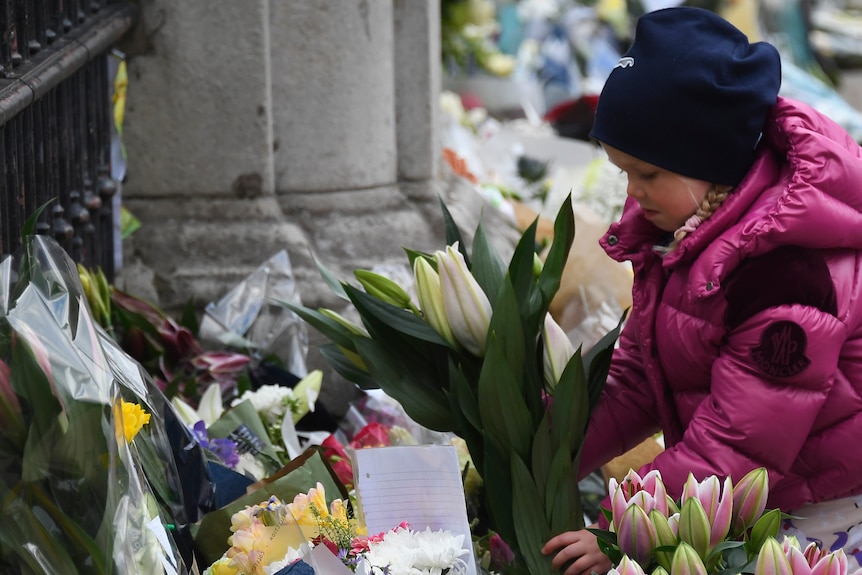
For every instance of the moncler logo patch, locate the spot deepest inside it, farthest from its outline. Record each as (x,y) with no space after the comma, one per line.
(626,62)
(781,352)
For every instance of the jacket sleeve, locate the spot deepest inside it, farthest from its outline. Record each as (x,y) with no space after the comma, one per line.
(625,413)
(768,385)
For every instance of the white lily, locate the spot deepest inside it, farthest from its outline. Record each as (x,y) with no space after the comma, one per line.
(210,408)
(430,295)
(306,393)
(557,352)
(186,412)
(467,306)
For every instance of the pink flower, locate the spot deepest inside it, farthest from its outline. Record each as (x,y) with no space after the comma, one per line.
(501,553)
(636,534)
(716,502)
(648,493)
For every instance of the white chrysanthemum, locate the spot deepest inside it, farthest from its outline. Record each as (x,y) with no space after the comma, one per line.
(276,566)
(271,401)
(407,552)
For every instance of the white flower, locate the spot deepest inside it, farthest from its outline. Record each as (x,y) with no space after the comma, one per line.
(408,552)
(292,556)
(270,401)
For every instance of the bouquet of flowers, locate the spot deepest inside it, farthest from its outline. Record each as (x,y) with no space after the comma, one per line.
(479,355)
(272,536)
(86,474)
(711,529)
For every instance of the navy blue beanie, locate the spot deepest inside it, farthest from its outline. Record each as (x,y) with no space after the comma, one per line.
(691,95)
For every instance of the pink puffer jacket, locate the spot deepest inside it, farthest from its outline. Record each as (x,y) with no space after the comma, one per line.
(745,344)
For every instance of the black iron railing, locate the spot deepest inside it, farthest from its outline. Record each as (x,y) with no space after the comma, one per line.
(56,123)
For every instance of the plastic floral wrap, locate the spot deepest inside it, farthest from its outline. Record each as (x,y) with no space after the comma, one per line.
(86,475)
(247,317)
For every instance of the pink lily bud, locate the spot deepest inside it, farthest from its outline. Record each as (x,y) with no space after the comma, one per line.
(627,567)
(556,352)
(772,560)
(717,503)
(636,534)
(694,527)
(467,307)
(749,499)
(788,542)
(178,341)
(686,561)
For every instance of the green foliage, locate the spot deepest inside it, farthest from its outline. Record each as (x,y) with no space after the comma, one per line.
(497,403)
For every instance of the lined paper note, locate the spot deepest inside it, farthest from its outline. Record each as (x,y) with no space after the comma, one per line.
(419,484)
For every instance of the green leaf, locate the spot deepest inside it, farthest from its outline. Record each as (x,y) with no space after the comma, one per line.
(32,385)
(597,361)
(19,528)
(453,234)
(570,409)
(531,527)
(504,414)
(558,493)
(189,318)
(333,282)
(413,254)
(488,269)
(468,403)
(767,526)
(498,492)
(521,266)
(542,451)
(29,227)
(555,261)
(339,334)
(508,330)
(381,317)
(409,384)
(347,368)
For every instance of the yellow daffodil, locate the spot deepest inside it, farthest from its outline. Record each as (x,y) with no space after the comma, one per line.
(134,418)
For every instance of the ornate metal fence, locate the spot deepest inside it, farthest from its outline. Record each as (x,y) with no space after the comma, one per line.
(56,123)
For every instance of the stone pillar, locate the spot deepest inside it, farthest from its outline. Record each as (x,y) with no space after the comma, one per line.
(304,125)
(333,87)
(417,88)
(197,121)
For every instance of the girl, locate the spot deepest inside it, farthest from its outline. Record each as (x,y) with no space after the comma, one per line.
(744,227)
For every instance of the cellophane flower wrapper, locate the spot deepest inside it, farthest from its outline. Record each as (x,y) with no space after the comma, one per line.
(248,317)
(77,495)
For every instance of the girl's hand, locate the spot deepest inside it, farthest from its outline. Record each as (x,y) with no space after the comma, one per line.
(577,553)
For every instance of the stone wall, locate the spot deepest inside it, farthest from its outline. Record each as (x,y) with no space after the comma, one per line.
(309,126)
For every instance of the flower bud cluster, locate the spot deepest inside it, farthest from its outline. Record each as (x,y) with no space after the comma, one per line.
(692,536)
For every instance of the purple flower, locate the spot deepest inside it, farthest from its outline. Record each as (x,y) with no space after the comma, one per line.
(223,448)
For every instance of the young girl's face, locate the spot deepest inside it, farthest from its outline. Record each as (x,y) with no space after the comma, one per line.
(666,198)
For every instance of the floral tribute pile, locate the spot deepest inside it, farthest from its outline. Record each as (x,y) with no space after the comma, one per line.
(273,537)
(478,343)
(713,528)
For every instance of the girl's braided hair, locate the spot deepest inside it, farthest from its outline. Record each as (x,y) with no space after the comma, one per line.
(715,196)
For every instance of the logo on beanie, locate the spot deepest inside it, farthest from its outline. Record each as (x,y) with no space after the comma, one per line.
(781,352)
(626,62)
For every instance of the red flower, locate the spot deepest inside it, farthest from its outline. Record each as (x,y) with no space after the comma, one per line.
(338,460)
(372,435)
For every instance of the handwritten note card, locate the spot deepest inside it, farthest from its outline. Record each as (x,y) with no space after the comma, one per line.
(419,484)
